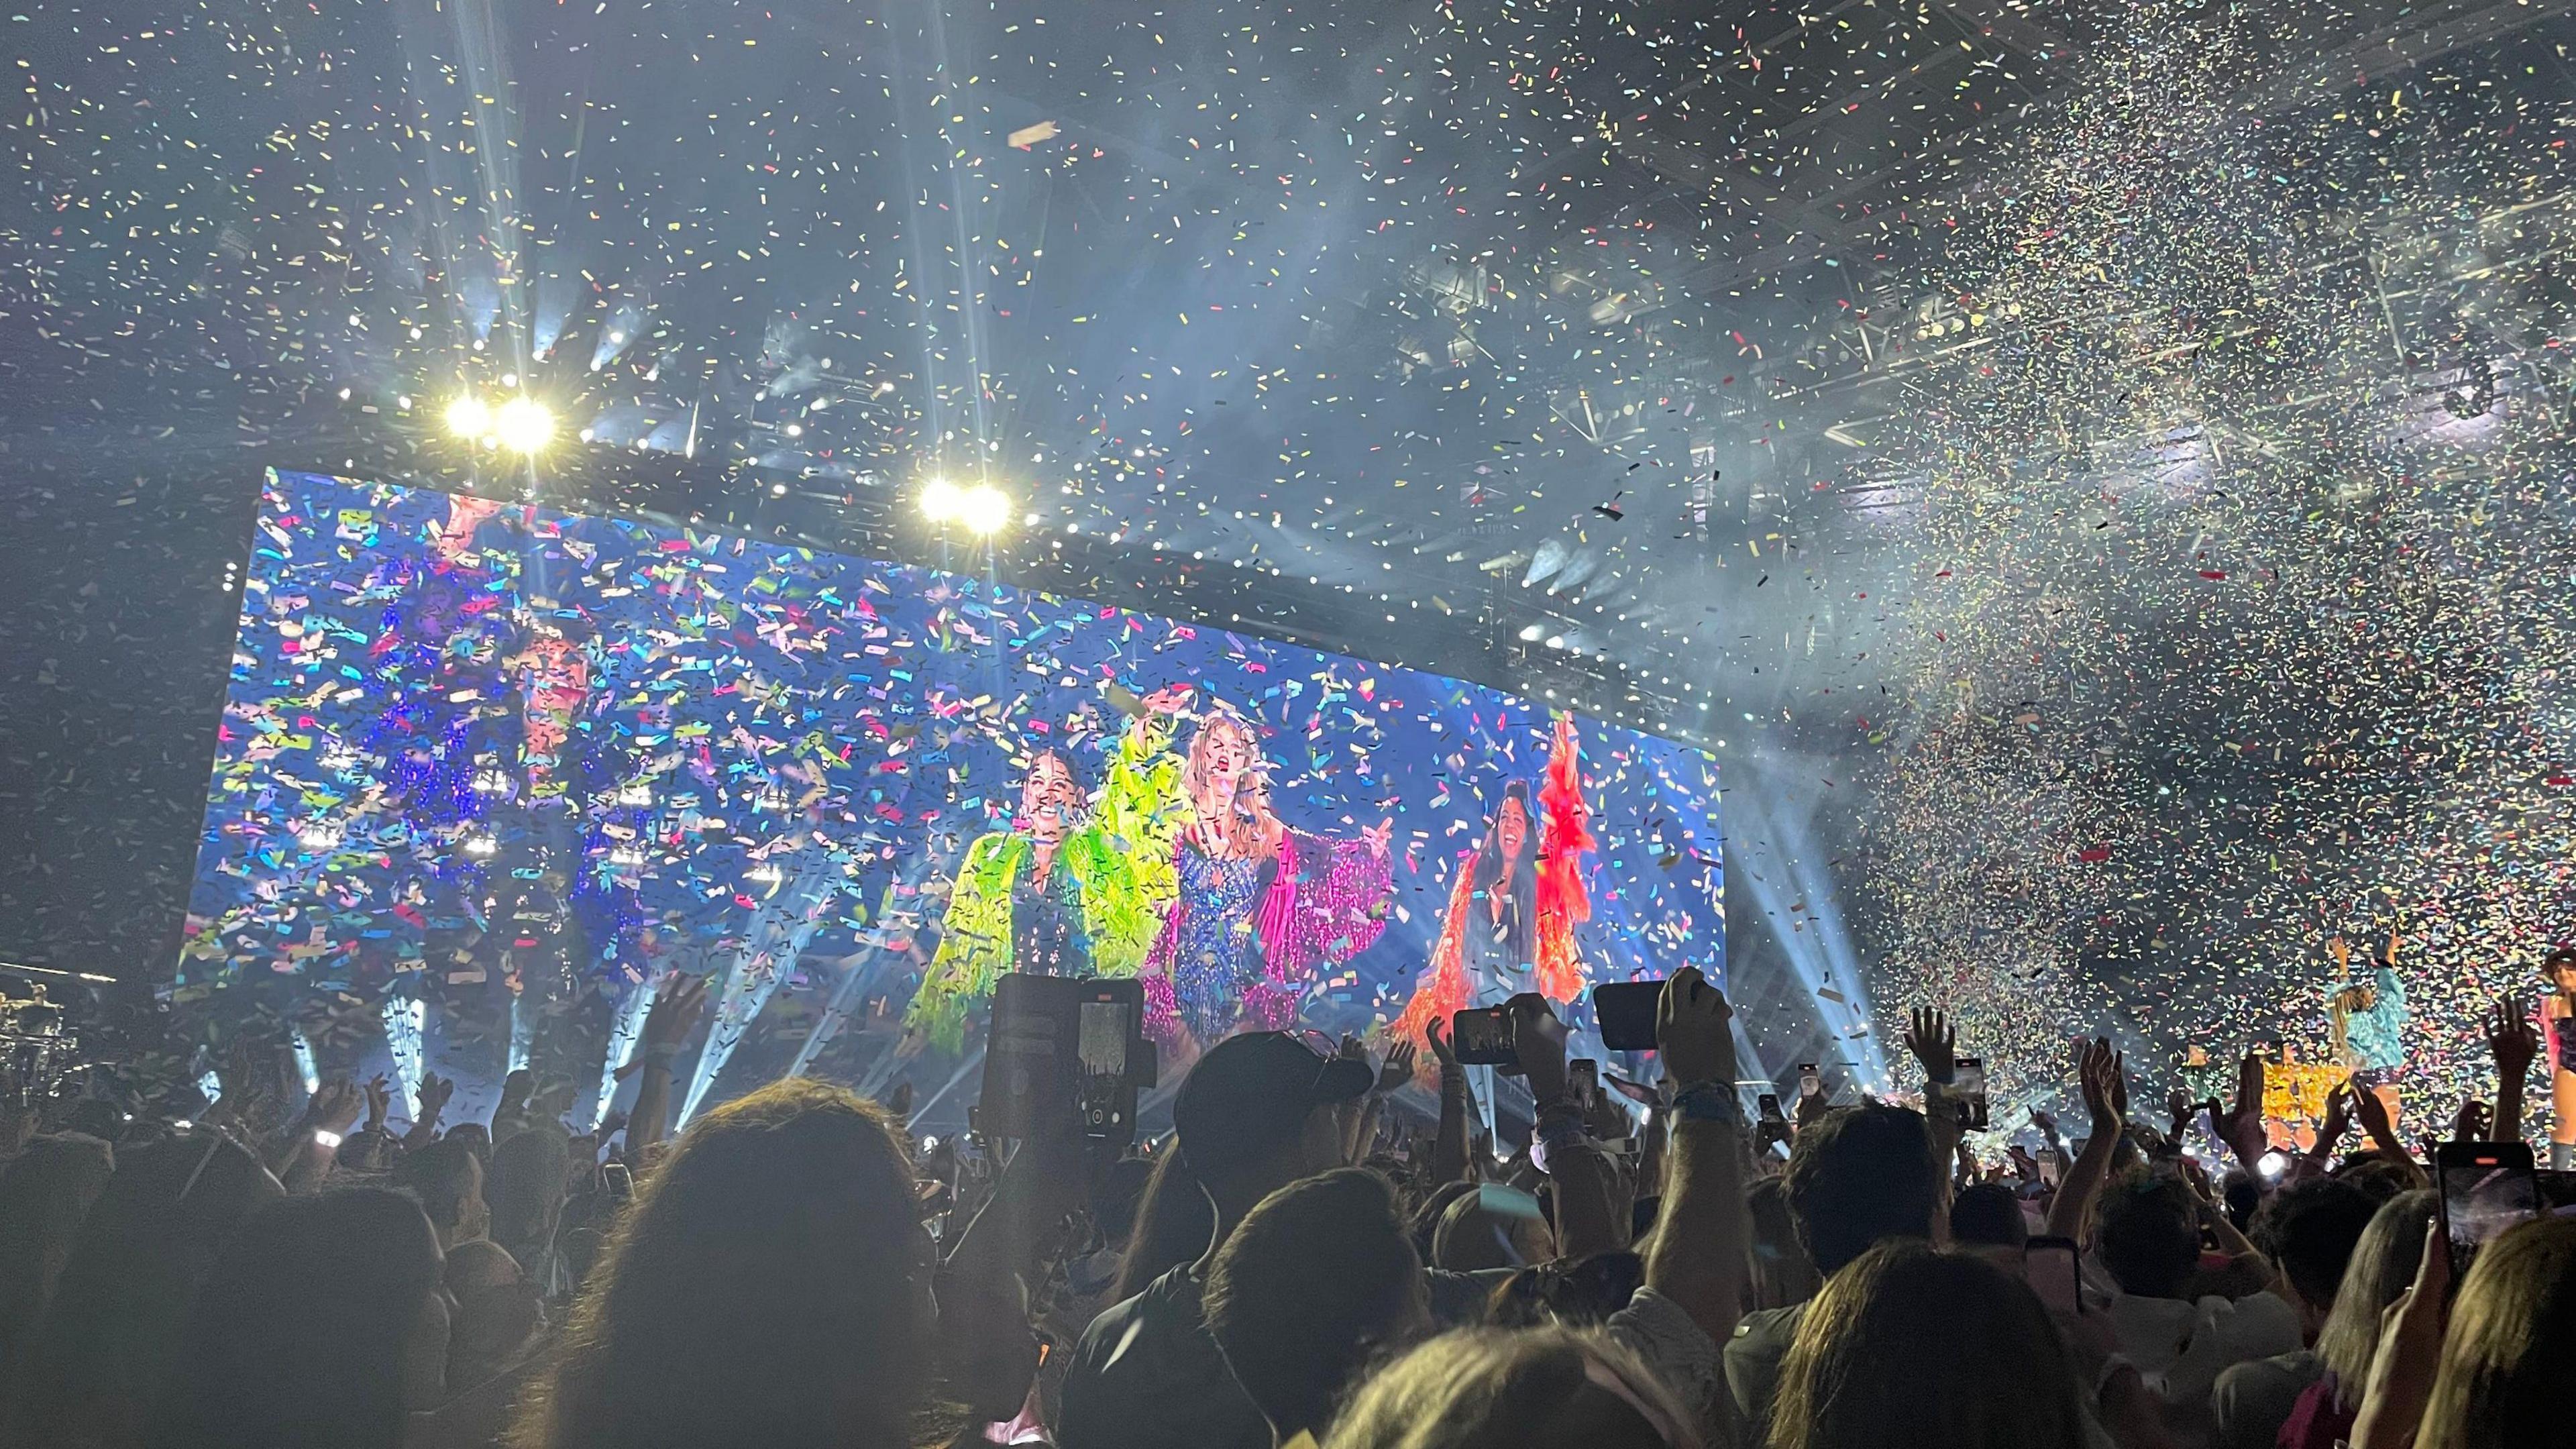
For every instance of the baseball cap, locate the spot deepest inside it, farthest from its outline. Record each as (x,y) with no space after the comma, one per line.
(1251,1092)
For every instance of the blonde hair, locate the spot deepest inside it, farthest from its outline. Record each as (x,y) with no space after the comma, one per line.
(2504,1354)
(2381,1267)
(1242,829)
(1531,1388)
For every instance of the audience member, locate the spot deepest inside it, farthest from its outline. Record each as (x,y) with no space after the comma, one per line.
(2147,1238)
(2309,1230)
(1533,1388)
(1988,1215)
(2484,1371)
(1856,1178)
(45,1191)
(1315,1284)
(529,1180)
(1780,1273)
(2383,1266)
(769,1285)
(1174,1222)
(1253,1115)
(1931,1350)
(109,1339)
(317,1329)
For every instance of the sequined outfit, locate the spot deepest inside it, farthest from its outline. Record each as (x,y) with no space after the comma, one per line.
(1245,935)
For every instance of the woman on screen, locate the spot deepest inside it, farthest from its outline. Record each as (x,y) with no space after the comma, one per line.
(1513,910)
(1260,903)
(1070,889)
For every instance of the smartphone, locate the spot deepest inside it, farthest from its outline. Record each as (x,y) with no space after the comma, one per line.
(1059,1046)
(2049,1266)
(1483,1037)
(1583,1081)
(2487,1187)
(1810,1081)
(1625,1012)
(1968,1089)
(1768,1104)
(618,1180)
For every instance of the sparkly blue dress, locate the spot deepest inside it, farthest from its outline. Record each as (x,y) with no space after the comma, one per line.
(1217,958)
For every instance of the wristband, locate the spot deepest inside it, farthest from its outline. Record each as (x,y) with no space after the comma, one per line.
(1710,1102)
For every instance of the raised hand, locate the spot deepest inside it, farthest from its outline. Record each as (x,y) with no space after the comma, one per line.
(2338,1119)
(2097,1076)
(1397,1069)
(2241,1125)
(1540,1042)
(1435,1031)
(2511,1038)
(379,1102)
(1169,700)
(1693,1030)
(1934,1041)
(675,1011)
(2469,1124)
(434,1092)
(335,1107)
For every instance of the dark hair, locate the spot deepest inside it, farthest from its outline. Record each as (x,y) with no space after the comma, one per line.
(441,1175)
(2504,1356)
(759,1289)
(1485,872)
(1880,1354)
(1174,1224)
(297,1338)
(1576,1292)
(99,1354)
(2310,1229)
(1314,1284)
(529,1177)
(1427,1216)
(1988,1215)
(1862,1175)
(44,1193)
(1780,1272)
(2147,1233)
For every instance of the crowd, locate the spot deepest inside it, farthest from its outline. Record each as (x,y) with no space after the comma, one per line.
(1293,1266)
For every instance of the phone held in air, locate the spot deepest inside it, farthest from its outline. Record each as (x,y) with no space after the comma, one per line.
(1583,1081)
(2486,1187)
(2049,1266)
(1811,1083)
(1968,1089)
(1058,1043)
(1482,1036)
(1625,1012)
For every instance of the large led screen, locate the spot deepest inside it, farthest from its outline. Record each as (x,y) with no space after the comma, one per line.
(485,770)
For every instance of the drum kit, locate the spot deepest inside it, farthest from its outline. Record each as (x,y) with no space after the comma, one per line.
(35,1052)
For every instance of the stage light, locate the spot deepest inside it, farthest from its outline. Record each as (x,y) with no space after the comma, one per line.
(1531,633)
(468,418)
(523,425)
(2271,1165)
(985,509)
(940,500)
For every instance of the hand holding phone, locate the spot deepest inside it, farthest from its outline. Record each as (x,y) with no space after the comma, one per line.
(1484,1037)
(2487,1187)
(2049,1265)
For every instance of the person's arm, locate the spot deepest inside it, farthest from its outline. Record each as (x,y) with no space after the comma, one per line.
(2241,1125)
(2410,1352)
(1590,1208)
(434,1092)
(1696,1257)
(2373,1114)
(2319,1158)
(2097,1072)
(304,1158)
(1935,1042)
(2513,1043)
(666,1026)
(1449,1159)
(989,1346)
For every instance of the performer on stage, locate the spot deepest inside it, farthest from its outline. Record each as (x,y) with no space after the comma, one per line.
(1070,889)
(1513,909)
(2558,1007)
(1260,902)
(2367,1021)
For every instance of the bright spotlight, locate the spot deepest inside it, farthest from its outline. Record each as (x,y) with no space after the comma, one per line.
(467,417)
(941,500)
(984,509)
(523,425)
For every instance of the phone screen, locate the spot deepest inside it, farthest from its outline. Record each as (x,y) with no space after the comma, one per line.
(1100,1038)
(1583,1079)
(2049,1265)
(1483,1037)
(1809,1082)
(1968,1089)
(2487,1187)
(1768,1104)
